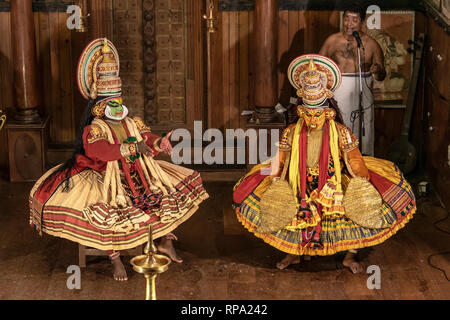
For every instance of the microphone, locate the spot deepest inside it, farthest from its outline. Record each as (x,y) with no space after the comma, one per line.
(358,39)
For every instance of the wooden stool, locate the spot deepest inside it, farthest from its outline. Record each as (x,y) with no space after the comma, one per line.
(84,251)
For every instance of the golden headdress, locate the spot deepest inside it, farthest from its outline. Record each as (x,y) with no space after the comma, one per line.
(315,77)
(98,73)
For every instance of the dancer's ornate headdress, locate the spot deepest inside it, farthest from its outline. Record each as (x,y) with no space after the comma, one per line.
(315,77)
(98,73)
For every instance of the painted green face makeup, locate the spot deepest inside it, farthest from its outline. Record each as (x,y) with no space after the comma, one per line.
(116,109)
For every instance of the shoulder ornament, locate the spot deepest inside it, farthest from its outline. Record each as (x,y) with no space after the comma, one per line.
(95,134)
(142,127)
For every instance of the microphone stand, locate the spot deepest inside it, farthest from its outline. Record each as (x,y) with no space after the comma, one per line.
(361,109)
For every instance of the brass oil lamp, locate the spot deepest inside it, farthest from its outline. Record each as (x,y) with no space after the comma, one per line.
(209,17)
(150,265)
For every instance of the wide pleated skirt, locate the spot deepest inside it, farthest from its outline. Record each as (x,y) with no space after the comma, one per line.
(338,232)
(81,216)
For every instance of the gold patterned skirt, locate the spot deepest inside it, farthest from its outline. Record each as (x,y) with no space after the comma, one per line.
(338,232)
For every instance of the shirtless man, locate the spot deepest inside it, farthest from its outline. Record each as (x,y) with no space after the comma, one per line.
(342,48)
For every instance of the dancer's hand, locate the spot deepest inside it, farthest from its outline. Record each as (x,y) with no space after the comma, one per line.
(165,144)
(143,148)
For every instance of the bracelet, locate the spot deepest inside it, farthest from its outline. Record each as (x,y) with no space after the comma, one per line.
(125,150)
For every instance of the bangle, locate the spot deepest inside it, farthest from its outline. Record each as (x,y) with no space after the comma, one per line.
(125,150)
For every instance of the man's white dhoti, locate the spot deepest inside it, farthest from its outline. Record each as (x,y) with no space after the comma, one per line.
(347,97)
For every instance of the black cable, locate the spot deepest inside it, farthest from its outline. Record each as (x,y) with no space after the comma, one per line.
(437,268)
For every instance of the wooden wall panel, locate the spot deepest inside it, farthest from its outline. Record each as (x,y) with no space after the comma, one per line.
(387,129)
(195,63)
(225,107)
(244,35)
(66,86)
(439,59)
(59,100)
(6,81)
(101,19)
(55,78)
(6,63)
(42,31)
(214,64)
(436,109)
(234,63)
(283,47)
(231,68)
(127,35)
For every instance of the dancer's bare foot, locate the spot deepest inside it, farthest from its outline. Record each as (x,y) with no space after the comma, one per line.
(351,263)
(119,271)
(287,261)
(166,247)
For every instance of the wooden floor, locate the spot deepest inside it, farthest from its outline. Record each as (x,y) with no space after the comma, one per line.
(222,265)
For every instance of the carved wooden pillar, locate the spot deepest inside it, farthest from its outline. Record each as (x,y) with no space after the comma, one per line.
(25,61)
(265,58)
(27,133)
(265,62)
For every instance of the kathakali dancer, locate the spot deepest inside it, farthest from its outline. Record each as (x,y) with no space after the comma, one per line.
(112,189)
(333,198)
